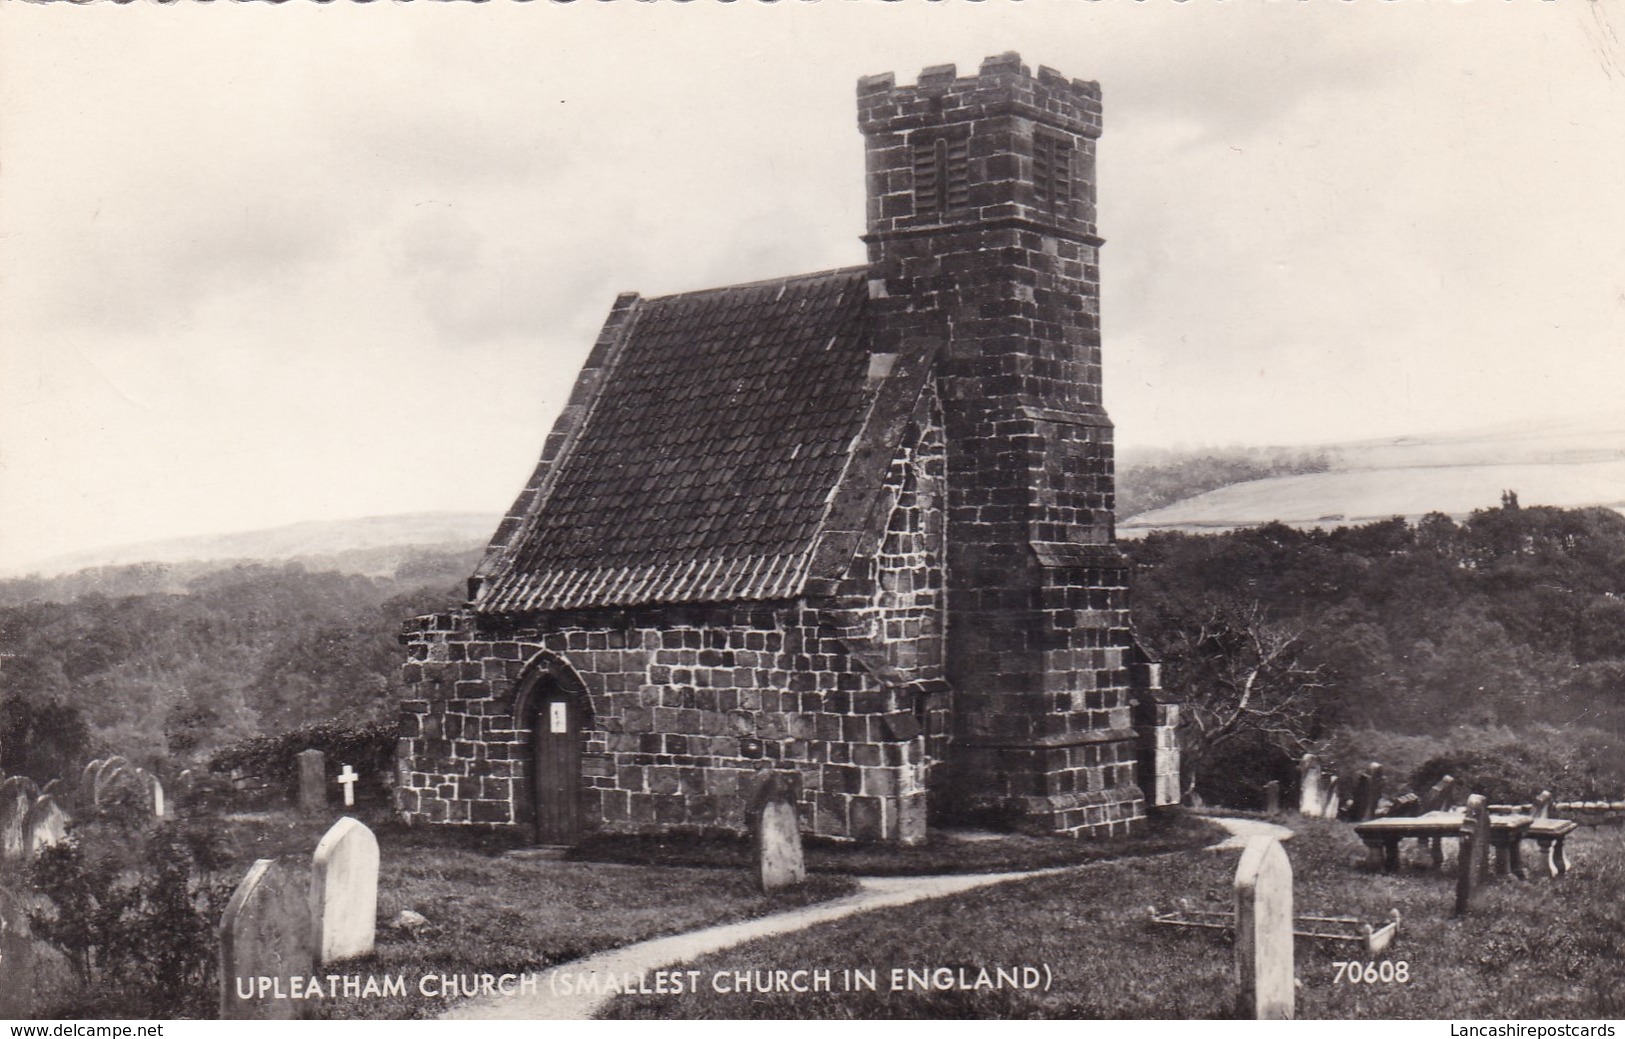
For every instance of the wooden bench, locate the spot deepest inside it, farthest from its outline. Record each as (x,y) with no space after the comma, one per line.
(1382,837)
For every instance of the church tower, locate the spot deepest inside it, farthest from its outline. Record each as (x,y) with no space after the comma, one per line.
(982,239)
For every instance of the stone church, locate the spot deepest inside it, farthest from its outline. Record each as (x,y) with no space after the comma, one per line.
(853,529)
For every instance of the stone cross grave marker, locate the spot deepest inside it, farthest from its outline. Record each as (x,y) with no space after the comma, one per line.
(347,780)
(344,892)
(312,780)
(1263,952)
(1272,797)
(1310,798)
(265,933)
(16,959)
(14,805)
(46,824)
(1473,861)
(779,860)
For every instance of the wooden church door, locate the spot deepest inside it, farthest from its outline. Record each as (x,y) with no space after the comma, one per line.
(557,764)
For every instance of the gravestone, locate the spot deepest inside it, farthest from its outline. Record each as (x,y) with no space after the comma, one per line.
(347,779)
(16,959)
(58,791)
(1440,795)
(86,790)
(46,824)
(1263,951)
(265,933)
(159,809)
(121,787)
(312,780)
(1328,808)
(1272,797)
(1368,807)
(1406,804)
(777,832)
(1362,794)
(14,806)
(344,892)
(113,768)
(1473,861)
(1311,800)
(1543,805)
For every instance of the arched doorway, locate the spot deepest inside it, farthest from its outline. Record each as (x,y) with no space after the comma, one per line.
(554,704)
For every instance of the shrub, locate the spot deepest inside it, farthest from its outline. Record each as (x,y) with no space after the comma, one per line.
(369,750)
(134,911)
(1574,764)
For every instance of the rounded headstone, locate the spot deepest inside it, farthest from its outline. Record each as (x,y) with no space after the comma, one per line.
(46,824)
(14,805)
(265,933)
(344,892)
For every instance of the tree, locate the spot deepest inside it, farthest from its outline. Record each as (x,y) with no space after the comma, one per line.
(1244,688)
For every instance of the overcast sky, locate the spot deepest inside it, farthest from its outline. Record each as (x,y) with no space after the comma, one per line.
(265,264)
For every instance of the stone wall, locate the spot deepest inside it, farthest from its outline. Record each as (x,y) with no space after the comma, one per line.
(687,705)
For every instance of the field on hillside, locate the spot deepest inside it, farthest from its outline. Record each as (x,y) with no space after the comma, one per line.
(1539,949)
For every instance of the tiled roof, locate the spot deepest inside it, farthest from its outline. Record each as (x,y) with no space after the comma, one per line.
(705,455)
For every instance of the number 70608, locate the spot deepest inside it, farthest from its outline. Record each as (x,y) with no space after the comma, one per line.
(1387,972)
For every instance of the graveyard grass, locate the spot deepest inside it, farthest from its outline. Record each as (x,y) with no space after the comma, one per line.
(489,913)
(1540,949)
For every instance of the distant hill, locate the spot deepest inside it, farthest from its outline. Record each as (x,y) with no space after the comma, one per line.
(374,545)
(1567,464)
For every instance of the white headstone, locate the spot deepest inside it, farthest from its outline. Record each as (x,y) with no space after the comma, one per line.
(46,824)
(1310,797)
(344,892)
(1264,977)
(779,860)
(265,933)
(14,805)
(1328,810)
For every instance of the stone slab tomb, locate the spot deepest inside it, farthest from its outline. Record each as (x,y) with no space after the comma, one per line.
(1264,950)
(265,933)
(344,892)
